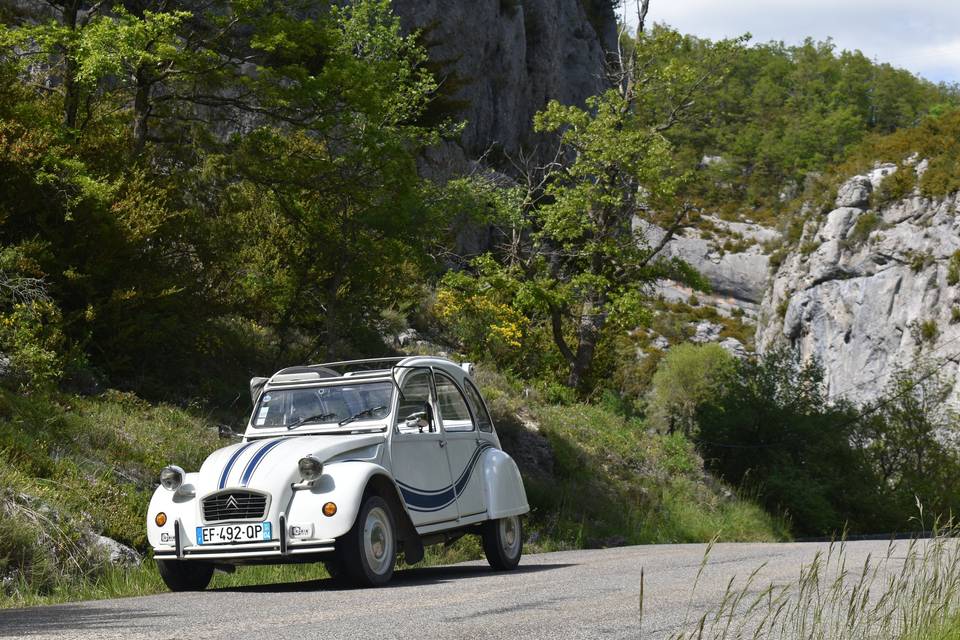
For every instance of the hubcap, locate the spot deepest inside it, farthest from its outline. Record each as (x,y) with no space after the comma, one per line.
(510,535)
(378,541)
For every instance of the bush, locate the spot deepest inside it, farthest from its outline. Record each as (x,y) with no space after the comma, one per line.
(772,430)
(953,269)
(689,376)
(32,339)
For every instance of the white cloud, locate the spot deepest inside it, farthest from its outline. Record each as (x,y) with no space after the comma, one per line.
(921,36)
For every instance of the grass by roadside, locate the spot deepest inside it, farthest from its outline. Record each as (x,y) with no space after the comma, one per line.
(911,592)
(73,468)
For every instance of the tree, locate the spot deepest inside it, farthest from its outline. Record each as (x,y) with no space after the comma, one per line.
(580,236)
(907,434)
(687,378)
(773,431)
(239,188)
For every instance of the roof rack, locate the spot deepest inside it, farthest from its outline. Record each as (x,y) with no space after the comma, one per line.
(362,364)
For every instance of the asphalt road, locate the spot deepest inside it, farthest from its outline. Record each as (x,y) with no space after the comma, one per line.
(574,594)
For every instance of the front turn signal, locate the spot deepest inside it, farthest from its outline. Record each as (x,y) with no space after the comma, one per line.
(161,519)
(329,509)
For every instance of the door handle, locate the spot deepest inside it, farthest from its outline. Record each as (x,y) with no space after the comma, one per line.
(442,443)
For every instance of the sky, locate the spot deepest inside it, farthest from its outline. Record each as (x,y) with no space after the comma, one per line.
(922,36)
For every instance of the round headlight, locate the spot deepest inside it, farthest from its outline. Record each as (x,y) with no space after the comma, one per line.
(171,478)
(310,468)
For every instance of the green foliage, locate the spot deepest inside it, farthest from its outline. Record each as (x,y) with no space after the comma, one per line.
(788,111)
(866,224)
(904,437)
(929,331)
(687,378)
(613,481)
(953,269)
(579,265)
(935,137)
(75,466)
(182,252)
(772,428)
(828,466)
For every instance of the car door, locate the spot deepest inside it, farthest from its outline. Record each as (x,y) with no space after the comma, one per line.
(419,455)
(464,446)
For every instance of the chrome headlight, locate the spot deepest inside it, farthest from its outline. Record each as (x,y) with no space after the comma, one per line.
(310,468)
(171,477)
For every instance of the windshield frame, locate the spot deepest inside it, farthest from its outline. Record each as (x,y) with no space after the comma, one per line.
(361,425)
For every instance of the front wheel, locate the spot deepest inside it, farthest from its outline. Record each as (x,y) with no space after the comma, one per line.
(368,551)
(503,542)
(185,575)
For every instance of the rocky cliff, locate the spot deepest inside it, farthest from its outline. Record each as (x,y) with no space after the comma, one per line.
(501,61)
(870,288)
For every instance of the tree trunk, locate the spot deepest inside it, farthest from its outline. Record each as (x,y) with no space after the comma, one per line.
(71,89)
(141,111)
(588,334)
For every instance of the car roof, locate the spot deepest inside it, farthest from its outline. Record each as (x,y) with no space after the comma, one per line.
(362,370)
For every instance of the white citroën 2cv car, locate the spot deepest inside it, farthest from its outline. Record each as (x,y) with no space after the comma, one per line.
(346,463)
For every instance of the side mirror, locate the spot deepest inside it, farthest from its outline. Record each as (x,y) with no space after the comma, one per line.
(418,421)
(226,431)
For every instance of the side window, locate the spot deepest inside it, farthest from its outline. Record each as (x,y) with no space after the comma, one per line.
(416,394)
(453,406)
(479,409)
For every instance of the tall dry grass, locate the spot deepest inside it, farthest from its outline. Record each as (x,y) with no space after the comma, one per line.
(911,592)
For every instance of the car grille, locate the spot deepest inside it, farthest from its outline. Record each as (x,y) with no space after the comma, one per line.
(234,505)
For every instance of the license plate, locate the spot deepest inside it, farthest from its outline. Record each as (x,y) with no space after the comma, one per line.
(231,533)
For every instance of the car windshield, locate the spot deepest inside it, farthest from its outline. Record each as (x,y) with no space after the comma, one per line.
(327,405)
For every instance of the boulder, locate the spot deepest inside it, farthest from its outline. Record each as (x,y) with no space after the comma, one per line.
(855,192)
(707,331)
(734,347)
(118,554)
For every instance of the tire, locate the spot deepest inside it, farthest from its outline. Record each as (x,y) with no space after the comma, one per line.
(185,575)
(368,552)
(503,542)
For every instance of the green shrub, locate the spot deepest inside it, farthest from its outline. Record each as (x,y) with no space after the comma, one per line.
(31,336)
(953,269)
(689,376)
(929,331)
(863,227)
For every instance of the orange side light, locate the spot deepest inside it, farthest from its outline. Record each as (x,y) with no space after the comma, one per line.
(329,509)
(161,519)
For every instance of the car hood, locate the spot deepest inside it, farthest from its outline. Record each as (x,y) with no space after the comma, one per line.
(271,463)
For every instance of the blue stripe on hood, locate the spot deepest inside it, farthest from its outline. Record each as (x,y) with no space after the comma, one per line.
(231,462)
(255,460)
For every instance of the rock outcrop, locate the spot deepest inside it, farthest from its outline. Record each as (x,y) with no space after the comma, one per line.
(868,291)
(503,60)
(738,276)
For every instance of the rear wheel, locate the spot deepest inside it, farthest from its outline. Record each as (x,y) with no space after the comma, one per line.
(503,542)
(185,575)
(368,551)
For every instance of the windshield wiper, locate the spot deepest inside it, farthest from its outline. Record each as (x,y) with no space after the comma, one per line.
(319,417)
(366,413)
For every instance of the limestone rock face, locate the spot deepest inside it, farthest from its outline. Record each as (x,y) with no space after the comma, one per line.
(738,277)
(507,59)
(876,294)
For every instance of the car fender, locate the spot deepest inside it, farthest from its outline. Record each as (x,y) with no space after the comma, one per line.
(503,486)
(344,484)
(173,505)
